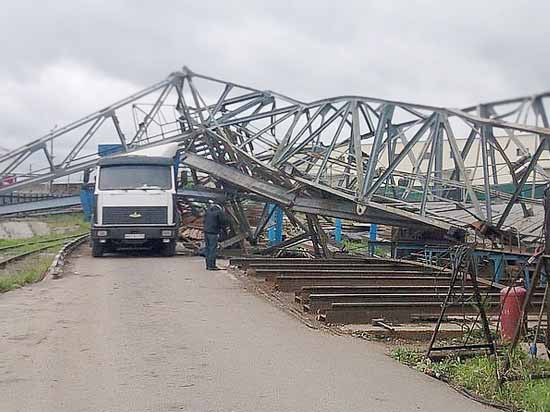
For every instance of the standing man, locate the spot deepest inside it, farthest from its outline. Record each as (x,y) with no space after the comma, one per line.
(214,221)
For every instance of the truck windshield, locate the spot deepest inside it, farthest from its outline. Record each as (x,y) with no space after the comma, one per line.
(135,177)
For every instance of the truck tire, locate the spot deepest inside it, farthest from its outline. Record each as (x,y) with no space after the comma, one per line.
(97,249)
(168,249)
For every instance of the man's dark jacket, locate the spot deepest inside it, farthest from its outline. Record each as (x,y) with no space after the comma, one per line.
(214,220)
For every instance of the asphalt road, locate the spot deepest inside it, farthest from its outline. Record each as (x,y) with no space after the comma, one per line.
(162,334)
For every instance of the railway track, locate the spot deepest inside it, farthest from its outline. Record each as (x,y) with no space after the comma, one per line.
(22,244)
(41,245)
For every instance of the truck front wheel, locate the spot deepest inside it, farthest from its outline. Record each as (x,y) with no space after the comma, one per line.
(97,249)
(168,249)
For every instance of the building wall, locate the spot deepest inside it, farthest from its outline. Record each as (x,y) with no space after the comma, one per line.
(473,161)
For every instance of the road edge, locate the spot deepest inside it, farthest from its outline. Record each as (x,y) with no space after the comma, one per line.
(58,263)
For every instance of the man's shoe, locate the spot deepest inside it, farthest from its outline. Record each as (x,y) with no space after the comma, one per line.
(214,268)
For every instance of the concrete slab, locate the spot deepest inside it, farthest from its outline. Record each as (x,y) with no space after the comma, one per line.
(23,229)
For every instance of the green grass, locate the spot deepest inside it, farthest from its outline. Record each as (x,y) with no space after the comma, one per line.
(356,246)
(478,375)
(362,246)
(66,220)
(32,268)
(28,272)
(28,244)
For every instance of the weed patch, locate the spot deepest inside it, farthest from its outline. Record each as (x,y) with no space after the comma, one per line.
(479,375)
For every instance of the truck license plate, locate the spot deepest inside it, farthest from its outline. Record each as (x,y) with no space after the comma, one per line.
(134,236)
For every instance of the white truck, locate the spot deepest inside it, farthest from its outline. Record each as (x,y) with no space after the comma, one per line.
(135,205)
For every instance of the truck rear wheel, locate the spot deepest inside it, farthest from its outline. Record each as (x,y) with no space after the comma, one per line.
(97,249)
(168,249)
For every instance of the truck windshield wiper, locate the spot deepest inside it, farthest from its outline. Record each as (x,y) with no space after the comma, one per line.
(145,187)
(139,188)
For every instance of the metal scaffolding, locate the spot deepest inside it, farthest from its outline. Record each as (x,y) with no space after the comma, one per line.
(353,157)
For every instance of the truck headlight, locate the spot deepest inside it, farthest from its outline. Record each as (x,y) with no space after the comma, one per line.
(101,233)
(166,233)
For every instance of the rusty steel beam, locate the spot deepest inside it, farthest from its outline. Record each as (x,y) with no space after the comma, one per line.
(323,302)
(286,283)
(272,274)
(401,311)
(302,295)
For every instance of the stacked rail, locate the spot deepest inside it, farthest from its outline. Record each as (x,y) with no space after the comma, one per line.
(362,290)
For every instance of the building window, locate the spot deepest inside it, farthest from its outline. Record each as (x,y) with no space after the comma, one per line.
(518,151)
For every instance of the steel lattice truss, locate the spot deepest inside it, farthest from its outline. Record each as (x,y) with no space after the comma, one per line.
(355,157)
(523,110)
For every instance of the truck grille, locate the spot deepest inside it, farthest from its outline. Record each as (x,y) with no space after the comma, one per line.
(135,215)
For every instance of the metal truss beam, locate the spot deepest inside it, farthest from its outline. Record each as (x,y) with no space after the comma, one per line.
(354,157)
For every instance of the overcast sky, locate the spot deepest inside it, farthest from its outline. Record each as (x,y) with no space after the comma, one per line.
(62,59)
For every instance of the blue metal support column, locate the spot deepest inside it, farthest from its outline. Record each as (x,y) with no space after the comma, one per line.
(338,230)
(498,262)
(87,202)
(275,230)
(373,231)
(372,237)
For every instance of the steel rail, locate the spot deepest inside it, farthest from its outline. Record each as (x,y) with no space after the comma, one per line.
(27,253)
(18,245)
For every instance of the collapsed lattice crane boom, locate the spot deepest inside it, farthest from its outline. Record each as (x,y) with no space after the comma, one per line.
(383,157)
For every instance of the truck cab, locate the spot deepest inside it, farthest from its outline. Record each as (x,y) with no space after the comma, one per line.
(135,205)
